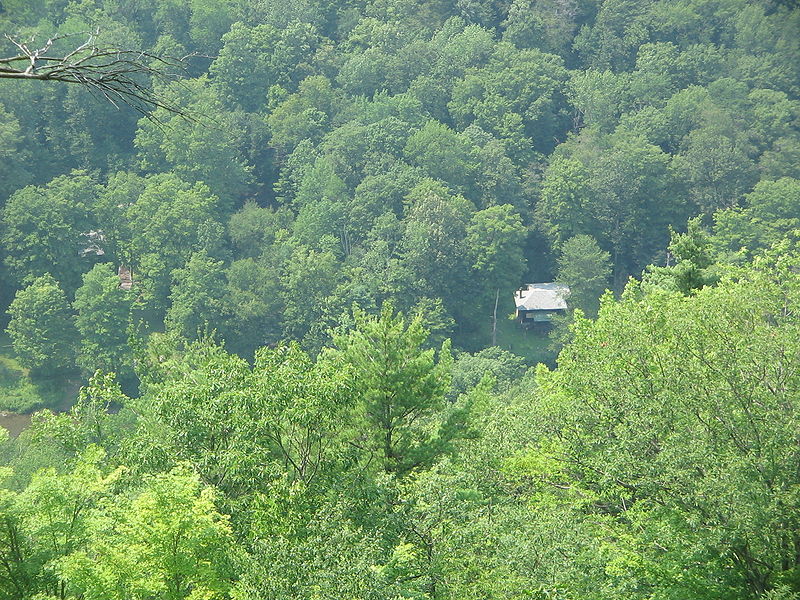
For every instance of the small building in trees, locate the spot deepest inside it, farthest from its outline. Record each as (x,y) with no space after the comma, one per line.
(125,278)
(92,245)
(538,302)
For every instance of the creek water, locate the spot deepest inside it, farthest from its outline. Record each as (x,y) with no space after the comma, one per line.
(15,423)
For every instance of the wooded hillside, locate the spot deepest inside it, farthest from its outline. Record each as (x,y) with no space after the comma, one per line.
(283,293)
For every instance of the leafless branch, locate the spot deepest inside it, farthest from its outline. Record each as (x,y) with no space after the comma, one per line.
(119,76)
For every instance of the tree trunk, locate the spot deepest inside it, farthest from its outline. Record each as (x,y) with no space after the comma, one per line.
(494,318)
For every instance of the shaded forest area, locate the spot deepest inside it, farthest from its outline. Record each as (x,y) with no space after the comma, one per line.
(277,297)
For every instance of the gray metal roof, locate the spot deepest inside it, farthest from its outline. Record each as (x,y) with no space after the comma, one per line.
(542,296)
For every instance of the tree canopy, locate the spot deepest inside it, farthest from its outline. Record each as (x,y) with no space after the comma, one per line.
(262,297)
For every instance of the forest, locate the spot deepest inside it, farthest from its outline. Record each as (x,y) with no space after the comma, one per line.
(258,336)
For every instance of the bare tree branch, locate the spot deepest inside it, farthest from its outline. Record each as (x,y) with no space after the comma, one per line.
(119,76)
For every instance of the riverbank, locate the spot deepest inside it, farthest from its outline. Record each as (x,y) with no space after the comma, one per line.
(20,396)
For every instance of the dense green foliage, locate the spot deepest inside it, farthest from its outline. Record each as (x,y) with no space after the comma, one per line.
(299,396)
(42,328)
(407,151)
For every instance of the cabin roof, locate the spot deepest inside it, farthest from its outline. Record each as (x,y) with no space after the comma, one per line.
(542,296)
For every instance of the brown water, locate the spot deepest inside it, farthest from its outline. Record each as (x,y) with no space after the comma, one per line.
(15,424)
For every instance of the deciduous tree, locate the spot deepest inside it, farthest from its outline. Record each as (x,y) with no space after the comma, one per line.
(104,315)
(586,269)
(42,228)
(42,328)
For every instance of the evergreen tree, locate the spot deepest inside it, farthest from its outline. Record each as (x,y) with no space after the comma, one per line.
(400,387)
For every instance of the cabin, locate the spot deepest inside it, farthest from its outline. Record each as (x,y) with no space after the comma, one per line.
(93,241)
(538,302)
(125,278)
